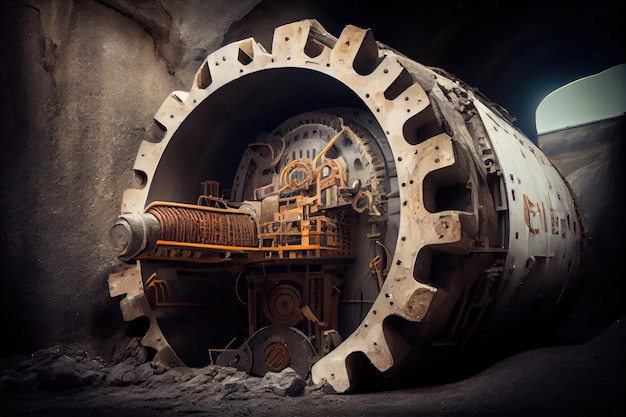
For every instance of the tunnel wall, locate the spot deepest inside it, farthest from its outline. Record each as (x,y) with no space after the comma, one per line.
(85,81)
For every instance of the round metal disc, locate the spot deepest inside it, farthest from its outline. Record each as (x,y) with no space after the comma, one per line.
(275,348)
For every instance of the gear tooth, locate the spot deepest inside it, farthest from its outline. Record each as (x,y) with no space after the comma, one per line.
(402,93)
(259,57)
(332,371)
(134,306)
(171,113)
(246,51)
(401,296)
(133,200)
(417,98)
(387,72)
(180,96)
(203,78)
(356,49)
(147,156)
(290,40)
(318,31)
(226,64)
(251,56)
(123,281)
(416,305)
(433,154)
(446,228)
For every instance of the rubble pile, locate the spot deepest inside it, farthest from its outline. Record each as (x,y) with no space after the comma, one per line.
(63,368)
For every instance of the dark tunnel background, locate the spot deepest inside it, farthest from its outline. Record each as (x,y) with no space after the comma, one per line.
(515,53)
(75,107)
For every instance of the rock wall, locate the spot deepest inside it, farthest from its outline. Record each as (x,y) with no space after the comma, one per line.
(83,79)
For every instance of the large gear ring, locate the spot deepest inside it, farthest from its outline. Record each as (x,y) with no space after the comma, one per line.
(465,179)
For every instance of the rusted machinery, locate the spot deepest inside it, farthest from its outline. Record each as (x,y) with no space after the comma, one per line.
(382,215)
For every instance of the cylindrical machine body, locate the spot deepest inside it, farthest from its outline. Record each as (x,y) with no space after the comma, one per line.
(546,231)
(471,231)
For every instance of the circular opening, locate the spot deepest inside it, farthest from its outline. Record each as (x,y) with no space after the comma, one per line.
(201,307)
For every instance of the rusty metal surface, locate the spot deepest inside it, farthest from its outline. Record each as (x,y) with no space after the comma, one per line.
(443,222)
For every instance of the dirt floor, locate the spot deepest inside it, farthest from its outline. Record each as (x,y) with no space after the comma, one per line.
(587,379)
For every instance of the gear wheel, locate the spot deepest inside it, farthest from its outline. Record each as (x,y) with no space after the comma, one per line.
(461,190)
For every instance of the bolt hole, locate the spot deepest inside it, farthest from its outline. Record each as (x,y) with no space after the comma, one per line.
(398,262)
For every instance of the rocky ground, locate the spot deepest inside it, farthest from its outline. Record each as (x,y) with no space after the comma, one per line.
(587,379)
